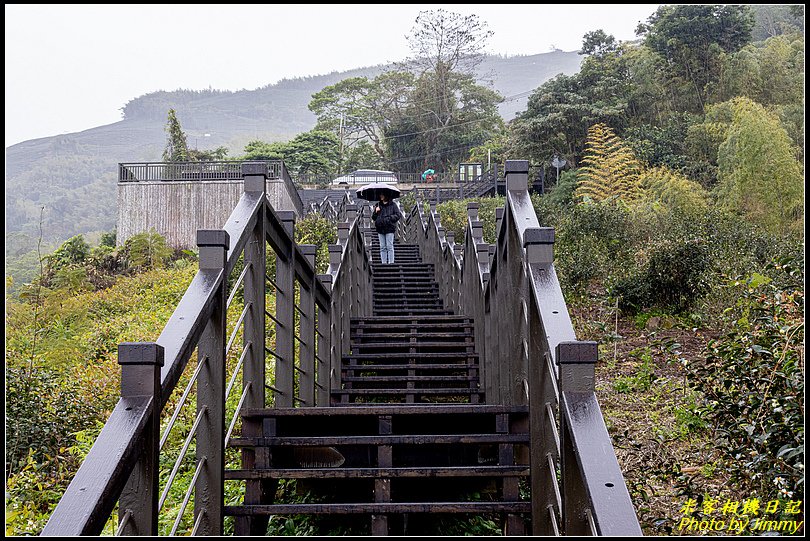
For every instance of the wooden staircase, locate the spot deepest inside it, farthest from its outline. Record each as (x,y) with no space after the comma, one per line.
(408,435)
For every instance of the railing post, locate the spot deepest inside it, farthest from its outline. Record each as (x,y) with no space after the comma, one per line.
(478,231)
(338,314)
(140,376)
(253,368)
(544,448)
(351,213)
(210,487)
(450,238)
(324,345)
(285,312)
(517,175)
(577,363)
(255,175)
(306,357)
(472,210)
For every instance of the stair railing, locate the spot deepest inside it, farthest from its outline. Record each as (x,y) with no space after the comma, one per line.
(293,351)
(531,357)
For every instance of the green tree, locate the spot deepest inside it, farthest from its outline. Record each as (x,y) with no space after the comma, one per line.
(446,47)
(312,153)
(774,20)
(212,155)
(758,174)
(260,150)
(691,39)
(419,141)
(770,73)
(72,252)
(359,110)
(361,156)
(598,43)
(560,112)
(108,239)
(176,145)
(662,143)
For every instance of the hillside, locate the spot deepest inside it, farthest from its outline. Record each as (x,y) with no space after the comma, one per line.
(74,175)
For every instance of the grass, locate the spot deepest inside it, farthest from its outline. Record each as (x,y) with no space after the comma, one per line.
(664,447)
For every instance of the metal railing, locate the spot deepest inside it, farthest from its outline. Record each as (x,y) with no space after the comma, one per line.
(189,171)
(206,171)
(454,188)
(123,465)
(531,357)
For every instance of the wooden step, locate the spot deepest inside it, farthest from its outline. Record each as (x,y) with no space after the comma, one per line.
(381,320)
(396,439)
(419,336)
(353,473)
(386,327)
(417,345)
(398,392)
(386,409)
(372,379)
(379,508)
(416,367)
(414,312)
(462,355)
(395,307)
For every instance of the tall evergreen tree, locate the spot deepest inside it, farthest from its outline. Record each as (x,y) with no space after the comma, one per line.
(176,145)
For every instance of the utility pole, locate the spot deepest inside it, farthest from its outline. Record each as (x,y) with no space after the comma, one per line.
(340,160)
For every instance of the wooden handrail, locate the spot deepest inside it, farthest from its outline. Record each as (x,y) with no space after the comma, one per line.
(125,455)
(511,291)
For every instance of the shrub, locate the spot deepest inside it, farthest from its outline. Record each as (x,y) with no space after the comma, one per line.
(147,250)
(454,216)
(563,191)
(43,410)
(674,277)
(317,230)
(72,252)
(592,242)
(753,380)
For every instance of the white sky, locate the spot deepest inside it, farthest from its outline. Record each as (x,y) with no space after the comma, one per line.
(71,68)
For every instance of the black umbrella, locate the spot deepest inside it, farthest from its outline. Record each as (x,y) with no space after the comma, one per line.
(371,192)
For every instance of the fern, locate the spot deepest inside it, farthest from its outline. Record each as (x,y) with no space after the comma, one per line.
(673,190)
(610,170)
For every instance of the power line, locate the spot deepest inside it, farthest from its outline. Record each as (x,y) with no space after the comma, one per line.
(506,99)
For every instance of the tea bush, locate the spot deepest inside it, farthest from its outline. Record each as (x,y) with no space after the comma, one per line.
(753,380)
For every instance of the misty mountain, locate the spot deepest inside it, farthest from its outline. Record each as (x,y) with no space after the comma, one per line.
(74,175)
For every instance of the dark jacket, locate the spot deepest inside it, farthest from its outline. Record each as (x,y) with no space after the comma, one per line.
(385,221)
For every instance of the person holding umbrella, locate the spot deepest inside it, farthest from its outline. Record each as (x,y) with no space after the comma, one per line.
(385,216)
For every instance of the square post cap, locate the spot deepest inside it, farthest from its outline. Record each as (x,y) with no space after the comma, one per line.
(577,352)
(213,237)
(140,353)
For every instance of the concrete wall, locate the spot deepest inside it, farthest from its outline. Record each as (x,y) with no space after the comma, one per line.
(177,209)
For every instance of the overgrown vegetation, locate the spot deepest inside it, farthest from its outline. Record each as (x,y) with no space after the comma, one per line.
(61,365)
(679,246)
